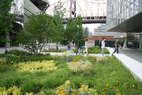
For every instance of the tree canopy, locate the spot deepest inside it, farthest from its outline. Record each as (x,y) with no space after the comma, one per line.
(74,30)
(36,32)
(6,19)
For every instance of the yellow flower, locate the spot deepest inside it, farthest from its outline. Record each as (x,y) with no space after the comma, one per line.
(82,85)
(104,93)
(106,84)
(133,85)
(117,90)
(73,94)
(118,93)
(111,87)
(106,88)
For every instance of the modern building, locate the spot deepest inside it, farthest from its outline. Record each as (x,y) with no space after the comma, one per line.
(101,32)
(34,7)
(125,16)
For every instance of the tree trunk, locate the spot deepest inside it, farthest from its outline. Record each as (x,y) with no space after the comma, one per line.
(7,44)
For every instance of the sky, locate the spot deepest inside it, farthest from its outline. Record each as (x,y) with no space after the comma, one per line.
(83,8)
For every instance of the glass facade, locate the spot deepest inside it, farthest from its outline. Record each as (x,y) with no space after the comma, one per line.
(118,11)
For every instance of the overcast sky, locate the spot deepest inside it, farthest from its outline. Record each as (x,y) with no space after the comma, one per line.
(84,8)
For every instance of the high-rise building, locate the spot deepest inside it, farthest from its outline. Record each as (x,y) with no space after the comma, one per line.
(125,16)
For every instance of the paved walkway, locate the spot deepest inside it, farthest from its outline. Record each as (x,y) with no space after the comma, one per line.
(60,54)
(2,50)
(132,60)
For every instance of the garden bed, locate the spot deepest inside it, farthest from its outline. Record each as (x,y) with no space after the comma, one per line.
(67,75)
(94,50)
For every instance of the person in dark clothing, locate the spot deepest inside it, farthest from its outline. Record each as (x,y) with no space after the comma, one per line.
(79,47)
(117,45)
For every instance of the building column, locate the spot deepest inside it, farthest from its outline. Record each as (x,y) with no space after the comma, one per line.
(140,45)
(140,6)
(7,40)
(125,44)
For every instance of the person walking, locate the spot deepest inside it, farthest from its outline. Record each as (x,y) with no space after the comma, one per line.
(68,45)
(86,47)
(117,45)
(103,46)
(71,45)
(79,47)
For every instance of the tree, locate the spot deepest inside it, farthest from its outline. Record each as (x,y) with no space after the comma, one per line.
(36,32)
(74,30)
(86,32)
(6,20)
(58,16)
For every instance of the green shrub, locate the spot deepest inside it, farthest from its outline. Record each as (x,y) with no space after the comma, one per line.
(17,52)
(95,50)
(53,50)
(11,59)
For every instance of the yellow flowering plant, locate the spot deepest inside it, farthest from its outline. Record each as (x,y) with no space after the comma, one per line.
(66,89)
(109,90)
(36,66)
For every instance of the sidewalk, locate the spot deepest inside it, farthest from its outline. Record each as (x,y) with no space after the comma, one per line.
(130,62)
(60,54)
(2,50)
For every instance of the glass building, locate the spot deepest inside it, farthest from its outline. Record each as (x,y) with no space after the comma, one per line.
(124,16)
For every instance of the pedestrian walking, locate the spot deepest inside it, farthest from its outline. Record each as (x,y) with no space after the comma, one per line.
(86,47)
(103,46)
(68,45)
(79,47)
(117,45)
(71,45)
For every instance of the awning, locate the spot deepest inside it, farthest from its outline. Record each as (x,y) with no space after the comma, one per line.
(134,24)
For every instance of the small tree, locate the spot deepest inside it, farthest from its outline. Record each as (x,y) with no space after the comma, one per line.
(36,31)
(58,16)
(6,20)
(74,30)
(86,32)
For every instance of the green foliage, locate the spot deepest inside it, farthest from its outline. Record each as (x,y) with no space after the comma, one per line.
(17,52)
(38,29)
(11,58)
(96,49)
(57,18)
(74,30)
(86,32)
(6,19)
(53,50)
(107,76)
